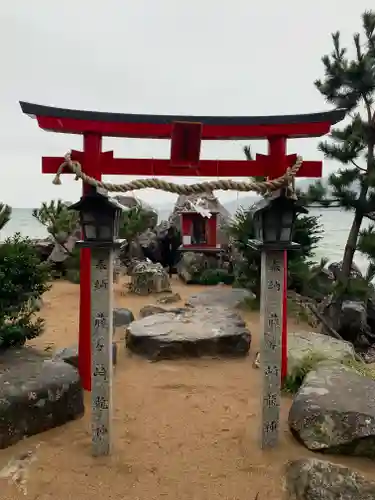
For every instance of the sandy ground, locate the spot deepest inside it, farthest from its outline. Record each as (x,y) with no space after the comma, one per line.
(183,430)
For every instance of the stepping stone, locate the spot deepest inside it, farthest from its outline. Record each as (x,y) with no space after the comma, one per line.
(70,355)
(334,411)
(151,309)
(36,394)
(122,317)
(203,331)
(220,295)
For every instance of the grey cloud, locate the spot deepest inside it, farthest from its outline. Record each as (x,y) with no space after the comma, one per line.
(155,56)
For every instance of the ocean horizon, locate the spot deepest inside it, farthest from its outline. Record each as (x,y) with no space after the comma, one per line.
(335,222)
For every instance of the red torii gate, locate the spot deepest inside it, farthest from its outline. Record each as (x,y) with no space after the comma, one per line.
(186,134)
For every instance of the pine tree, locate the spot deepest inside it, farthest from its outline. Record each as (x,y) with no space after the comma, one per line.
(349,83)
(5,213)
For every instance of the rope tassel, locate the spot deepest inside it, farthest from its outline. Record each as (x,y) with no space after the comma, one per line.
(261,187)
(74,166)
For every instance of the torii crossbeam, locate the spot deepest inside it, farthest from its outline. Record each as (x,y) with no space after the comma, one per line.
(186,134)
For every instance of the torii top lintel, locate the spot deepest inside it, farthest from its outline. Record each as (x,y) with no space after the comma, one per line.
(70,121)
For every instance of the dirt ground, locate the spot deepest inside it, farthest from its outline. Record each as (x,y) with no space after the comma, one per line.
(183,430)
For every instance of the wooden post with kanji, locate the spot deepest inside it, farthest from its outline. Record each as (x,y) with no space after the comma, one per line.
(272,269)
(101,348)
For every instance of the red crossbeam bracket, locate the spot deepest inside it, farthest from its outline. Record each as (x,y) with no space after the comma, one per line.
(186,141)
(141,167)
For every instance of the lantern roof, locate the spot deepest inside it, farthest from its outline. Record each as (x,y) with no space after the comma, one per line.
(97,199)
(278,199)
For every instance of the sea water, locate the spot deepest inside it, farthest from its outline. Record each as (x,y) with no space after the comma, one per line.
(336,224)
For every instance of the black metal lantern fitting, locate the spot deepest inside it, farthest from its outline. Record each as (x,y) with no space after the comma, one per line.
(273,219)
(99,218)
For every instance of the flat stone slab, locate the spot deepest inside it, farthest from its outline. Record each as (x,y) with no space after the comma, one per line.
(334,411)
(36,394)
(151,309)
(213,331)
(220,295)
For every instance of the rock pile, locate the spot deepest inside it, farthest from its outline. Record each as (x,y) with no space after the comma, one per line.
(148,278)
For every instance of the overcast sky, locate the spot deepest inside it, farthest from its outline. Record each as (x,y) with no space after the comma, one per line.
(213,57)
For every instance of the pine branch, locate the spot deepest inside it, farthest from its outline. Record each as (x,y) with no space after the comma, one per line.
(5,214)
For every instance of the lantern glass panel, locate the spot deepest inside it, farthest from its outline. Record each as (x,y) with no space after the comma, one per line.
(88,224)
(116,227)
(286,234)
(271,226)
(105,232)
(89,231)
(257,227)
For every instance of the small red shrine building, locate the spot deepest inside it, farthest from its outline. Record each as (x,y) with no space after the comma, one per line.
(199,229)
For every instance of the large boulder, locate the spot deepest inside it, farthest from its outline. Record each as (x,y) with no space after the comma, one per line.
(43,247)
(336,269)
(312,479)
(61,252)
(211,203)
(148,278)
(202,331)
(132,201)
(70,355)
(192,264)
(122,316)
(220,295)
(334,411)
(349,319)
(36,394)
(303,345)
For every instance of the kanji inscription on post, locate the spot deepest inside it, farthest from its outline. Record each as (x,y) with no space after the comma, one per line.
(271,316)
(101,349)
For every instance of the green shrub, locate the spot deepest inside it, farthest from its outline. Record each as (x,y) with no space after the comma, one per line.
(214,277)
(294,380)
(23,280)
(308,232)
(73,275)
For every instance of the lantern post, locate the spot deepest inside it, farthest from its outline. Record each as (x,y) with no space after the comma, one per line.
(100,221)
(273,224)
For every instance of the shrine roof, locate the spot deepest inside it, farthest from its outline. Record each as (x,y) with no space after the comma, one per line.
(75,121)
(195,212)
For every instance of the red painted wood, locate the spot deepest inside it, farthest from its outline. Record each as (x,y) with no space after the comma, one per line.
(206,168)
(185,144)
(212,231)
(187,219)
(92,155)
(164,131)
(308,168)
(186,223)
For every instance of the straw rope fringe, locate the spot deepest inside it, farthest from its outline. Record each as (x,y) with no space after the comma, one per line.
(260,187)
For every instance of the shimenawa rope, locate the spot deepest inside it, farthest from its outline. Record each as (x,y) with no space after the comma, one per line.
(260,187)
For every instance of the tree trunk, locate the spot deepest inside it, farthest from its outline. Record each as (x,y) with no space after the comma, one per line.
(351,245)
